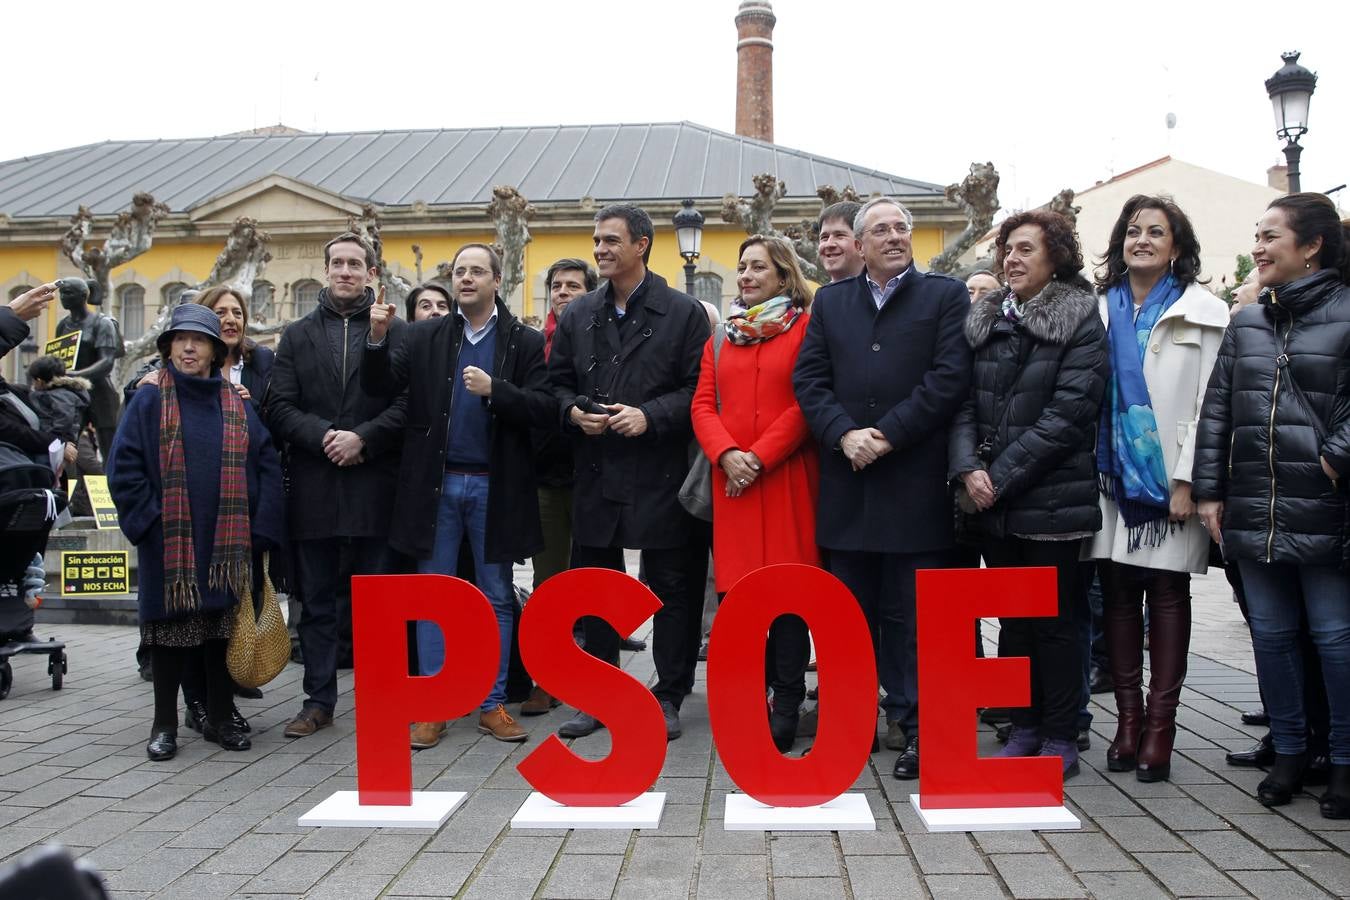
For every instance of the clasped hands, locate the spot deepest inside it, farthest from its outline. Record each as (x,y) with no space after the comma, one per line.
(741,468)
(628,421)
(864,446)
(344,448)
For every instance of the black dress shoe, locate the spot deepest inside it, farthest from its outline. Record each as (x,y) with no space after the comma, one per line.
(1263,754)
(196,715)
(1099,681)
(227,736)
(1335,803)
(907,764)
(672,717)
(1003,732)
(632,645)
(1257,717)
(247,693)
(1284,781)
(238,721)
(1084,740)
(163,745)
(783,727)
(579,725)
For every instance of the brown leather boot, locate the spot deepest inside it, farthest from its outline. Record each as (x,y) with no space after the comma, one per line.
(539,703)
(1123,625)
(426,735)
(1169,623)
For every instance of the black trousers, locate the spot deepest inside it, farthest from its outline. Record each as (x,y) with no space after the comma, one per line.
(785,657)
(319,565)
(1052,642)
(675,632)
(170,663)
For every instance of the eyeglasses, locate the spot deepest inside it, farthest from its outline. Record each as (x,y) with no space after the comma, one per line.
(880,231)
(476,272)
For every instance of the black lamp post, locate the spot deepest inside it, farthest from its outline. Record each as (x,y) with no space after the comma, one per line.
(1290,91)
(689,234)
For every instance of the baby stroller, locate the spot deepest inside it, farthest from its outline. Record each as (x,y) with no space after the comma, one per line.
(29,504)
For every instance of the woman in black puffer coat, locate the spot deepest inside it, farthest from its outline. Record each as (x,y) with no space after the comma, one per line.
(1272,448)
(1023,448)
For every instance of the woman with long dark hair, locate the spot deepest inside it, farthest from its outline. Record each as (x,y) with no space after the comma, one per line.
(1164,329)
(1272,449)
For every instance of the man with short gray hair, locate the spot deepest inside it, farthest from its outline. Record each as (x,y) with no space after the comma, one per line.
(882,371)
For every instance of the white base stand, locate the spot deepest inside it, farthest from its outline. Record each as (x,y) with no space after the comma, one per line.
(1018,818)
(539,811)
(429,809)
(847,812)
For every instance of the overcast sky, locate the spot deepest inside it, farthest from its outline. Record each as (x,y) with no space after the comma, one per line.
(1055,94)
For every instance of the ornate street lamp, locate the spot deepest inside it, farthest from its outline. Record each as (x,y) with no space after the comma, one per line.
(689,234)
(1290,91)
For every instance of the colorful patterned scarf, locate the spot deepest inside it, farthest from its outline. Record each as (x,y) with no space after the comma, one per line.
(759,323)
(230,555)
(1130,463)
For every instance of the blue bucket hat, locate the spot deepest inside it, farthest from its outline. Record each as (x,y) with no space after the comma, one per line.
(191,317)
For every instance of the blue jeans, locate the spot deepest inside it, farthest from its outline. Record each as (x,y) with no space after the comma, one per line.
(1278,596)
(463,512)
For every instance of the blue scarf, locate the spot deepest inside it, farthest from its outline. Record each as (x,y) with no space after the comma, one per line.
(1130,463)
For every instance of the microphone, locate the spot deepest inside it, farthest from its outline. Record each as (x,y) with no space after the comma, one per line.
(586,405)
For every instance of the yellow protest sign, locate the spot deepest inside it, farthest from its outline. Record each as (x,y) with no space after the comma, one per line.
(94,573)
(65,348)
(105,513)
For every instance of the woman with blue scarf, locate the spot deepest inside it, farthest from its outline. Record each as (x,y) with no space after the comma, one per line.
(1164,330)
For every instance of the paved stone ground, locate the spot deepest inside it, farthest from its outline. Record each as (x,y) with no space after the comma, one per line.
(217,824)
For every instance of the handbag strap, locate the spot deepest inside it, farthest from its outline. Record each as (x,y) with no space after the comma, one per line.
(1319,427)
(719,336)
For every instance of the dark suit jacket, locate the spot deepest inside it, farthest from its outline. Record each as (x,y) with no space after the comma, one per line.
(309,396)
(904,370)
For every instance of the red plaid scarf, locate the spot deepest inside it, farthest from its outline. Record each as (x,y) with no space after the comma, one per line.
(230,555)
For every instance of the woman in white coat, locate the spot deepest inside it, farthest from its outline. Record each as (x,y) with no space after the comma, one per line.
(1164,330)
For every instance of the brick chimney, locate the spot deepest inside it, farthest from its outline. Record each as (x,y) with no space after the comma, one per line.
(1277,176)
(754,70)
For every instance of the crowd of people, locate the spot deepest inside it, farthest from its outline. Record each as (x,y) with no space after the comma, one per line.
(1128,431)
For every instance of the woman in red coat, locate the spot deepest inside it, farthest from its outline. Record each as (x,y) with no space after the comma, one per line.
(765,467)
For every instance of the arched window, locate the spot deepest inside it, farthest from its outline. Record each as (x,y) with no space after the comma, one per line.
(261,307)
(305,297)
(708,286)
(172,292)
(131,310)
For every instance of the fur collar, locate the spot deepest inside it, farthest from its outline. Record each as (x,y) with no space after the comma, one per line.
(1051,317)
(71,383)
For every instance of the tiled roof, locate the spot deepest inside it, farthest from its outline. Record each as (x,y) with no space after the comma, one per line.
(447,166)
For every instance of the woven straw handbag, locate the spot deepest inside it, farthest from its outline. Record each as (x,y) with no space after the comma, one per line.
(258,649)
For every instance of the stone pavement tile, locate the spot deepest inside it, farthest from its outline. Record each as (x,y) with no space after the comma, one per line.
(126,849)
(1304,811)
(157,798)
(1089,852)
(1224,799)
(521,856)
(435,875)
(1183,815)
(1338,839)
(152,871)
(597,841)
(582,877)
(294,873)
(1031,875)
(127,784)
(107,765)
(682,790)
(680,820)
(249,854)
(346,839)
(946,854)
(808,888)
(1285,885)
(15,839)
(659,867)
(31,776)
(99,828)
(883,878)
(1230,850)
(1103,800)
(51,791)
(803,856)
(468,834)
(1330,869)
(67,812)
(499,886)
(1139,833)
(307,775)
(964,887)
(1188,874)
(340,885)
(203,887)
(714,869)
(214,832)
(1008,841)
(885,841)
(1121,886)
(208,771)
(179,818)
(1274,832)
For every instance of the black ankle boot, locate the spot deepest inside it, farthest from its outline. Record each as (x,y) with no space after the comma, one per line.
(1285,779)
(196,715)
(1335,803)
(783,727)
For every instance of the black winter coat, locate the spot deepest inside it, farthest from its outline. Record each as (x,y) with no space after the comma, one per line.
(63,406)
(1049,371)
(1257,449)
(424,364)
(904,370)
(626,489)
(311,394)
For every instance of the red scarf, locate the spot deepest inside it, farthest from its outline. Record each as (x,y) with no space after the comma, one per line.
(230,554)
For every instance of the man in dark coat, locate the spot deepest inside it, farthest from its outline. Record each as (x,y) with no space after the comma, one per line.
(341,459)
(883,369)
(633,349)
(476,382)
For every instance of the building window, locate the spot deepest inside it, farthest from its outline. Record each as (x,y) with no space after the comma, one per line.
(131,310)
(708,287)
(262,307)
(306,297)
(173,292)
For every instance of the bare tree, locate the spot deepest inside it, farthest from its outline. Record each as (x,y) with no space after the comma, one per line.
(510,213)
(978,196)
(133,231)
(756,214)
(396,288)
(1062,203)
